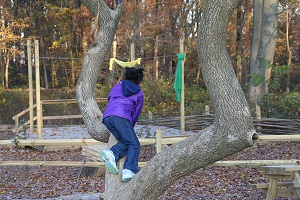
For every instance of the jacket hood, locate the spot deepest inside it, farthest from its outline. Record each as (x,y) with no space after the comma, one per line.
(129,88)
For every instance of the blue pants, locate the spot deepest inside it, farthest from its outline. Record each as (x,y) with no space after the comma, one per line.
(128,143)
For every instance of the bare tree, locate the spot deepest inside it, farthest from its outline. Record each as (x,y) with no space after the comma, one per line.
(231,132)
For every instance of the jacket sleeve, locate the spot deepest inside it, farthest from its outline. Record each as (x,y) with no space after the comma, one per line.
(138,109)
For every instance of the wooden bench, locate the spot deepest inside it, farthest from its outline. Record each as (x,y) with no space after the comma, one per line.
(281,189)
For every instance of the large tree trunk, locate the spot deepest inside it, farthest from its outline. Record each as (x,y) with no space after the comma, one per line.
(256,32)
(231,132)
(239,41)
(86,84)
(266,49)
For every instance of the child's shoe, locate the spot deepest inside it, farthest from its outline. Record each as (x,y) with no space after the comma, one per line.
(127,175)
(110,163)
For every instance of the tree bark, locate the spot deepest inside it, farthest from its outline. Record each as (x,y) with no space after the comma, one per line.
(268,40)
(266,49)
(86,84)
(256,32)
(239,41)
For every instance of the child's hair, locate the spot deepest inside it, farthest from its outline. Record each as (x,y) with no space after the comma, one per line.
(134,74)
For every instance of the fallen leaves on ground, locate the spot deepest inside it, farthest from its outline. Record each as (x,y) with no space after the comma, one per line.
(228,183)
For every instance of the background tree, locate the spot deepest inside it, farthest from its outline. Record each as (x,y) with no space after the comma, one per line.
(233,128)
(265,23)
(10,40)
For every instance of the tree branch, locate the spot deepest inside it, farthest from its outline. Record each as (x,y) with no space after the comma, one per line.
(86,84)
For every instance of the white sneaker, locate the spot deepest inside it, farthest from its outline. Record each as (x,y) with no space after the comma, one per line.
(127,175)
(110,162)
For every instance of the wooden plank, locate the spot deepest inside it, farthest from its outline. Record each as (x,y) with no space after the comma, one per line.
(284,192)
(266,185)
(281,169)
(39,109)
(172,140)
(57,163)
(56,101)
(67,142)
(271,193)
(247,163)
(52,142)
(30,84)
(62,117)
(23,112)
(51,163)
(296,182)
(267,138)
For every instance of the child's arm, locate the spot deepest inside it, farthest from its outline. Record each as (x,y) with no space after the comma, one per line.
(138,110)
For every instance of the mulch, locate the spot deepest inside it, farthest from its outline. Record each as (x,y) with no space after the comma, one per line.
(228,183)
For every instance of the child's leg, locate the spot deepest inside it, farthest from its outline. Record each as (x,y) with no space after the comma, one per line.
(119,149)
(129,138)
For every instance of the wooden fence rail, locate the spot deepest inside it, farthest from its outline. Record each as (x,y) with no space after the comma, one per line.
(229,163)
(19,126)
(264,125)
(159,141)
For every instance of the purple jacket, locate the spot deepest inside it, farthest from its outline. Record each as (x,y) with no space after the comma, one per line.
(125,100)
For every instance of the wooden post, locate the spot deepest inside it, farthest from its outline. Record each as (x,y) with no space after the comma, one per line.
(17,124)
(182,114)
(132,52)
(258,116)
(207,110)
(296,182)
(158,140)
(30,85)
(271,193)
(150,115)
(38,89)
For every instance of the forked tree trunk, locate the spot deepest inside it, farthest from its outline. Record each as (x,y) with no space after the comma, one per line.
(231,132)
